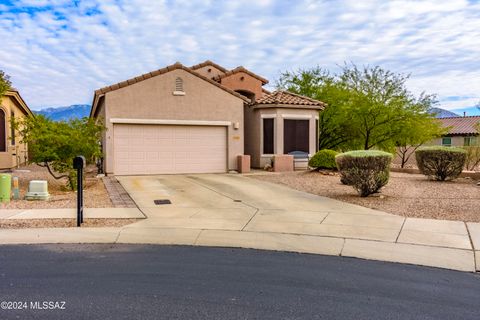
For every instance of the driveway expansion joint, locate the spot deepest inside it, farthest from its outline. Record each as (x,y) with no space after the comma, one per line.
(234,199)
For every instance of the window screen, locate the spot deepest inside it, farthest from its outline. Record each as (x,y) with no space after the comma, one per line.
(268,136)
(295,136)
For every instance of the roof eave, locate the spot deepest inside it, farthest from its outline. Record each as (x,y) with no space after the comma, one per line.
(15,94)
(285,106)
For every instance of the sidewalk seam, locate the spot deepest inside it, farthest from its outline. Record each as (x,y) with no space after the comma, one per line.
(195,243)
(118,236)
(343,247)
(250,220)
(401,229)
(473,247)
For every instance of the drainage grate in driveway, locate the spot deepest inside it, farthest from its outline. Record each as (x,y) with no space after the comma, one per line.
(162,201)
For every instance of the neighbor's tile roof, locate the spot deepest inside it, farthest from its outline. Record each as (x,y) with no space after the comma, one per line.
(461,125)
(241,69)
(281,97)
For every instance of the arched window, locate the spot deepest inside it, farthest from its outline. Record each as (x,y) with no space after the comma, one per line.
(3,131)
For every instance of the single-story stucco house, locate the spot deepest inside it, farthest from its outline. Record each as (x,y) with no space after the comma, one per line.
(12,151)
(462,131)
(199,119)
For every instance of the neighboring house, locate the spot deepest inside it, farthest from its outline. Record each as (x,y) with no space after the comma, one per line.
(462,131)
(199,119)
(12,151)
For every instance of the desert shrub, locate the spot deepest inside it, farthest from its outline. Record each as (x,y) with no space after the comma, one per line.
(365,170)
(323,159)
(441,163)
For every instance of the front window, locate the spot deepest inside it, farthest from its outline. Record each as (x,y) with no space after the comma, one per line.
(12,128)
(268,136)
(295,136)
(447,141)
(469,141)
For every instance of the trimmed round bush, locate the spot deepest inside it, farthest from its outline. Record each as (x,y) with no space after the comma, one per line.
(367,171)
(441,163)
(323,159)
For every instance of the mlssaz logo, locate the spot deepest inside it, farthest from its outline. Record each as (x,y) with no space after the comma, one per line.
(47,305)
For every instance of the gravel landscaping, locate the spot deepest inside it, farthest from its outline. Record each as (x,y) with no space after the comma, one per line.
(409,195)
(95,194)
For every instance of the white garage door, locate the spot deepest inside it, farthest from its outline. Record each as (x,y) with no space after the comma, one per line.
(157,149)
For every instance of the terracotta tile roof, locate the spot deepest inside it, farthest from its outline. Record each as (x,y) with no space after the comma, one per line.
(208,63)
(145,76)
(461,125)
(281,97)
(241,69)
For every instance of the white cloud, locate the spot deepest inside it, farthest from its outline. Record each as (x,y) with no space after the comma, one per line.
(58,52)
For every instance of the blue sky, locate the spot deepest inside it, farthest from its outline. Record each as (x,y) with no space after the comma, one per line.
(58,52)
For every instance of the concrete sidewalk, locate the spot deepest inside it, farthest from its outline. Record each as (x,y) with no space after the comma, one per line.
(236,211)
(70,213)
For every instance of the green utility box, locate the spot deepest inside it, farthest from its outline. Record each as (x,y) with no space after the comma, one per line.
(5,187)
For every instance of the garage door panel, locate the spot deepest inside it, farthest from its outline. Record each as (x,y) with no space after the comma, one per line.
(157,149)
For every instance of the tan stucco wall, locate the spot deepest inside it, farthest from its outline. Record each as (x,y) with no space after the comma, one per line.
(209,71)
(252,136)
(255,139)
(457,141)
(153,99)
(15,154)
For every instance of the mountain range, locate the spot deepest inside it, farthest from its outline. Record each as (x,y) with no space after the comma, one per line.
(66,113)
(83,110)
(442,113)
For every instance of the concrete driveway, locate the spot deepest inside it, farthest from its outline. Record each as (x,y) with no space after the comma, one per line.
(235,211)
(234,202)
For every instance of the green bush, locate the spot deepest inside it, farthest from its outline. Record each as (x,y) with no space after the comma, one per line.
(441,163)
(365,170)
(323,159)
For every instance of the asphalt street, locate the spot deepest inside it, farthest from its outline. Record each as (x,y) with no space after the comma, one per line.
(176,282)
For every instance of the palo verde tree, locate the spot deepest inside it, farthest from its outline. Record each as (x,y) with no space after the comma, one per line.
(367,108)
(334,130)
(54,144)
(417,131)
